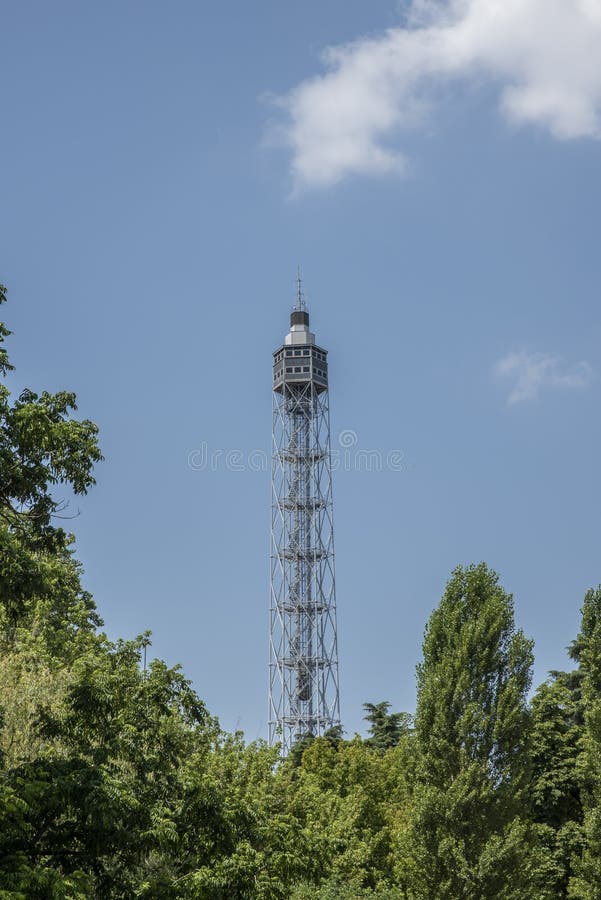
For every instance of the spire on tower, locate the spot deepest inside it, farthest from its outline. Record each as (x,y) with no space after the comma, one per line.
(299,315)
(300,297)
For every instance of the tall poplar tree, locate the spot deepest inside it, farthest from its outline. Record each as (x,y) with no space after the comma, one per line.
(586,649)
(556,779)
(472,729)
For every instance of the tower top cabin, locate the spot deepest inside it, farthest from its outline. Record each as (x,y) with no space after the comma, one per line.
(299,361)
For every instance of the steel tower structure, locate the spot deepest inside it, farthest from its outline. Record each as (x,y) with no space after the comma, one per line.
(303,651)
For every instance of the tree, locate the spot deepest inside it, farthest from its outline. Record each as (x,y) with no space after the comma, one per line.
(385,728)
(586,650)
(112,777)
(300,744)
(556,781)
(345,801)
(41,446)
(467,838)
(46,618)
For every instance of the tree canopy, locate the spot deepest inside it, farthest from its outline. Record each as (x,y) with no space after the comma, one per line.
(117,782)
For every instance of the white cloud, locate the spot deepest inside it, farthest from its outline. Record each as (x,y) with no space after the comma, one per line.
(544,55)
(529,373)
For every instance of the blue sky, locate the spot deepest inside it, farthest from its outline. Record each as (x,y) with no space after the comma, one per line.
(166,167)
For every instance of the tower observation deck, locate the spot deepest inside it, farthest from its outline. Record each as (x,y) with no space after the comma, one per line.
(303,652)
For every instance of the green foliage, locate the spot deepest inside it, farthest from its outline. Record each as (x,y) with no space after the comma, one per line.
(472,727)
(385,728)
(42,446)
(347,800)
(298,748)
(556,780)
(5,365)
(586,650)
(333,890)
(116,782)
(557,731)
